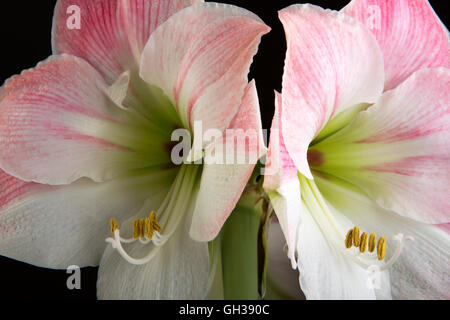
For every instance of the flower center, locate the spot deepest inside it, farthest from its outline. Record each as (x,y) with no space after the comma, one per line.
(315,158)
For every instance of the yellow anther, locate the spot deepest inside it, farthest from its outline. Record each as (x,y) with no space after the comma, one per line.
(381,248)
(363,242)
(372,241)
(114,225)
(349,239)
(154,222)
(142,228)
(136,229)
(148,228)
(356,236)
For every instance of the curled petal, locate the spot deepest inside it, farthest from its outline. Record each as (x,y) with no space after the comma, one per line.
(332,63)
(203,68)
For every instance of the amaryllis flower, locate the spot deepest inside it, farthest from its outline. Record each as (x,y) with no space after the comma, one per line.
(363,150)
(86,137)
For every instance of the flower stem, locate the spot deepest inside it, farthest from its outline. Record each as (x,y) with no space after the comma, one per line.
(241,254)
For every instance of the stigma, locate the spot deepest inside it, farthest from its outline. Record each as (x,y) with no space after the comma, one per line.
(146,230)
(364,241)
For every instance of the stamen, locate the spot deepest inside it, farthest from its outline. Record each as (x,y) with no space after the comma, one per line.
(349,239)
(364,239)
(114,225)
(136,229)
(356,234)
(381,248)
(145,230)
(372,240)
(363,242)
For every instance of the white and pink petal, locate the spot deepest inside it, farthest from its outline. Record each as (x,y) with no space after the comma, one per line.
(58,123)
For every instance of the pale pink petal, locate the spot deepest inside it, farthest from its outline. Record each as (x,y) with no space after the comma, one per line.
(203,68)
(409,33)
(282,184)
(59,226)
(58,124)
(332,63)
(223,181)
(112,33)
(398,151)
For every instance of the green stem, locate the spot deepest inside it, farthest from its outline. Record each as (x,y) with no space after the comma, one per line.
(240,249)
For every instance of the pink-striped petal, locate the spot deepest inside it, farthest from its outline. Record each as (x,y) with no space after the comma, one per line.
(409,33)
(224,175)
(332,63)
(58,124)
(59,226)
(398,151)
(200,58)
(112,33)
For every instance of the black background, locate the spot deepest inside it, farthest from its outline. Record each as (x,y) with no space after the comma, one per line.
(25,29)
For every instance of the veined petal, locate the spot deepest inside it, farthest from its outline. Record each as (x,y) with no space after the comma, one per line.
(203,68)
(112,33)
(332,63)
(59,226)
(58,124)
(398,150)
(229,163)
(281,183)
(421,271)
(177,270)
(409,33)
